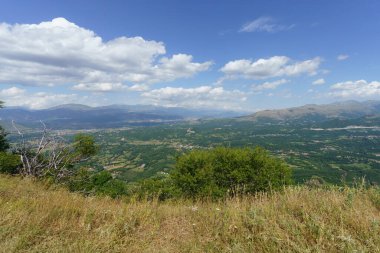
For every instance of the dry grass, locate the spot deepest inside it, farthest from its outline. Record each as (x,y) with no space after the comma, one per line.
(36,219)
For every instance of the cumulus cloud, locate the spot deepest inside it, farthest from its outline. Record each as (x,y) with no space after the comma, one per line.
(61,52)
(203,96)
(19,97)
(264,24)
(320,81)
(11,92)
(269,85)
(99,87)
(342,57)
(271,67)
(354,89)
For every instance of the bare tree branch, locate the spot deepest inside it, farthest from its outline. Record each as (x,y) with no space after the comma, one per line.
(50,155)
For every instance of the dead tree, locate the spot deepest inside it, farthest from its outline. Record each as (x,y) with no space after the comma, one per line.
(48,155)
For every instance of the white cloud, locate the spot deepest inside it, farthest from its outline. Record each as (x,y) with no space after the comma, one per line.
(342,57)
(354,89)
(60,52)
(99,87)
(19,97)
(269,85)
(11,92)
(139,87)
(203,96)
(264,24)
(271,67)
(320,81)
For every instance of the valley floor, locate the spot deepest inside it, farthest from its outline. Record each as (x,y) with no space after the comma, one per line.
(35,218)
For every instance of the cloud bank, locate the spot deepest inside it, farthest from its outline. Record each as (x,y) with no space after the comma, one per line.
(355,89)
(61,52)
(20,97)
(203,96)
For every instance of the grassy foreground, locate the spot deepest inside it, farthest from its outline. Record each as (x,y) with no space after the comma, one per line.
(36,219)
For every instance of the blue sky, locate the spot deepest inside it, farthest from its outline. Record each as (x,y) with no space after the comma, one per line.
(241,55)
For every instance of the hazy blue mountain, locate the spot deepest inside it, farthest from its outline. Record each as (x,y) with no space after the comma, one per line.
(312,112)
(76,116)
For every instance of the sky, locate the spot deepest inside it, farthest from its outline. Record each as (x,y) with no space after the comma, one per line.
(235,55)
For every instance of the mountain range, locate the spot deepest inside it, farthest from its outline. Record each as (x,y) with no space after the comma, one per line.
(316,113)
(76,116)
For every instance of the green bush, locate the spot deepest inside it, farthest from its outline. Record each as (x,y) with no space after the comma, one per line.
(229,171)
(113,188)
(4,145)
(101,183)
(160,188)
(80,181)
(9,163)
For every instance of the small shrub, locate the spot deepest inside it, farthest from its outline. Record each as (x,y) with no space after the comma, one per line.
(101,183)
(160,188)
(113,188)
(9,163)
(80,181)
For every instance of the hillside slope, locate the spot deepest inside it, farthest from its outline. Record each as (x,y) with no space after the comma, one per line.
(341,110)
(36,219)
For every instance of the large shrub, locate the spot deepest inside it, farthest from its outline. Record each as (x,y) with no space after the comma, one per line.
(229,171)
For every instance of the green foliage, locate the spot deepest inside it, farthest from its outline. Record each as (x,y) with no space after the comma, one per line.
(80,181)
(84,145)
(9,163)
(101,183)
(4,145)
(160,188)
(99,179)
(113,188)
(229,171)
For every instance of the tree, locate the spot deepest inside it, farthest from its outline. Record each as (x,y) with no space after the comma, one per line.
(51,155)
(229,171)
(84,146)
